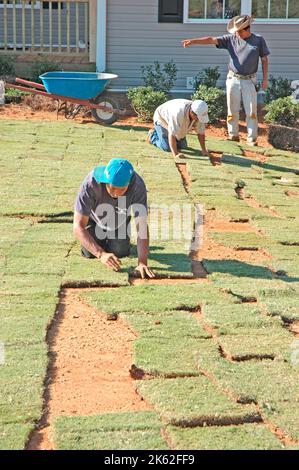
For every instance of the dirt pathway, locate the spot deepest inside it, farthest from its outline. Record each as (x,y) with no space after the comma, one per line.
(90,358)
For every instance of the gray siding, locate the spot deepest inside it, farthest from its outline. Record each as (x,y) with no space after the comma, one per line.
(135,38)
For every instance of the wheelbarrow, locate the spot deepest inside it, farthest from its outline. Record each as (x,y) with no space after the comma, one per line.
(82,89)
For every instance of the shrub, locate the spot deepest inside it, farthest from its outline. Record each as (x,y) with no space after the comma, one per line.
(145,100)
(284,111)
(208,77)
(158,77)
(38,68)
(14,96)
(6,66)
(215,99)
(278,88)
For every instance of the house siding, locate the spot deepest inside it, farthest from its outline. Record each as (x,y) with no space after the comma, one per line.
(135,38)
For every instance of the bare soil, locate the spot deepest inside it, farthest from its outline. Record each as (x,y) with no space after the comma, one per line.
(43,109)
(89,370)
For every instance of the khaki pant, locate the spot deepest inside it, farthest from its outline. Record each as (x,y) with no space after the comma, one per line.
(245,88)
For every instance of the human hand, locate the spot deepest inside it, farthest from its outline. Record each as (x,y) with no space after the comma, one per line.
(265,84)
(205,153)
(187,43)
(144,271)
(110,260)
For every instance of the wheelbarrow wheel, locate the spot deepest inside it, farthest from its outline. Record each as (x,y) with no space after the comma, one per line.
(105,117)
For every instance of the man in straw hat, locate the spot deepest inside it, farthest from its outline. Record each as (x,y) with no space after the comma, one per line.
(245,49)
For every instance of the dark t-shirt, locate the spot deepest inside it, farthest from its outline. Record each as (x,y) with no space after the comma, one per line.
(244,53)
(94,201)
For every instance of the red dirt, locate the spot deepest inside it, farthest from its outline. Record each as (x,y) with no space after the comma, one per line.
(89,374)
(214,221)
(251,202)
(254,155)
(292,193)
(294,328)
(185,175)
(215,158)
(24,111)
(218,130)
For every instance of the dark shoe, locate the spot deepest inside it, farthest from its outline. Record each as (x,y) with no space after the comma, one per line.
(234,138)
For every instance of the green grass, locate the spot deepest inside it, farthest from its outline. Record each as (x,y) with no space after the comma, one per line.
(150,298)
(122,431)
(40,177)
(245,437)
(195,401)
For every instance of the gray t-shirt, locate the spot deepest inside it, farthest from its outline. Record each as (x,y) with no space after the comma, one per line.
(94,201)
(244,53)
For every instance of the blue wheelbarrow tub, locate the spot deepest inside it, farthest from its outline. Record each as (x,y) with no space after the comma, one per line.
(80,85)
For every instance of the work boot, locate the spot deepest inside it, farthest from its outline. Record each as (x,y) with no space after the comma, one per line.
(149,136)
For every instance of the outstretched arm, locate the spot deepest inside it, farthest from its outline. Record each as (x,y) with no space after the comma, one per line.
(200,41)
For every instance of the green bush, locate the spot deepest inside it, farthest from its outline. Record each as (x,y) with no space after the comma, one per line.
(215,99)
(208,77)
(14,96)
(284,111)
(38,68)
(145,100)
(278,88)
(158,77)
(6,66)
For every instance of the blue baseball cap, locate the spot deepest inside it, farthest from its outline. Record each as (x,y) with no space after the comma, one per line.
(118,172)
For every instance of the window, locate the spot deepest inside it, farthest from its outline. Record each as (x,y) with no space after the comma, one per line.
(217,11)
(170,11)
(19,3)
(275,9)
(213,9)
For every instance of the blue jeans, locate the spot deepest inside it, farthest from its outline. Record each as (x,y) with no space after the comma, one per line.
(159,138)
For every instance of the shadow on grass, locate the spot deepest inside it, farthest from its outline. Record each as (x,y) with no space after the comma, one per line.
(168,262)
(173,262)
(247,162)
(241,269)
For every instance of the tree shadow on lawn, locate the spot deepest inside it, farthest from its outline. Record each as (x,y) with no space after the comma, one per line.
(247,162)
(241,269)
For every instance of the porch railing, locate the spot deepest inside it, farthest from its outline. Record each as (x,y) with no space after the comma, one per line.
(51,27)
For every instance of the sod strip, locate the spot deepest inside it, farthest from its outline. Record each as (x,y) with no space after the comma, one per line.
(121,431)
(271,384)
(191,402)
(152,298)
(242,437)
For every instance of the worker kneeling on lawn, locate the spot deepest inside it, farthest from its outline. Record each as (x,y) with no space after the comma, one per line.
(103,206)
(172,122)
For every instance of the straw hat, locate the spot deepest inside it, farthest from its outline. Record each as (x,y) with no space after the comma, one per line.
(238,23)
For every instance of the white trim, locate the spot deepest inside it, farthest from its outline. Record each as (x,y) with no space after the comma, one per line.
(101,35)
(186,18)
(246,9)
